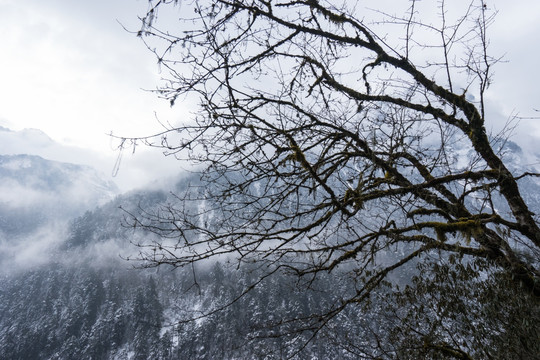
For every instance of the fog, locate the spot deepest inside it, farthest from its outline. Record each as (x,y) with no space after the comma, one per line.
(48,245)
(38,199)
(129,170)
(29,252)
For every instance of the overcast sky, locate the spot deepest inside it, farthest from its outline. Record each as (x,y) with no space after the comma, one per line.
(68,67)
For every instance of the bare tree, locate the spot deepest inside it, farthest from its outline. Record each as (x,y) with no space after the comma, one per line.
(334,137)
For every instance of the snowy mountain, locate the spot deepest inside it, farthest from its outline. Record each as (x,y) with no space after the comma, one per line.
(130,173)
(86,302)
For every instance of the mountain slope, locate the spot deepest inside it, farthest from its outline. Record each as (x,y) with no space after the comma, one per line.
(88,303)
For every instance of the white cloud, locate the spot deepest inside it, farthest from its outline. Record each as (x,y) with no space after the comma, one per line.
(70,69)
(136,170)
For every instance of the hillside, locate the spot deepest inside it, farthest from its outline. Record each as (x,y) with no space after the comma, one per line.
(79,298)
